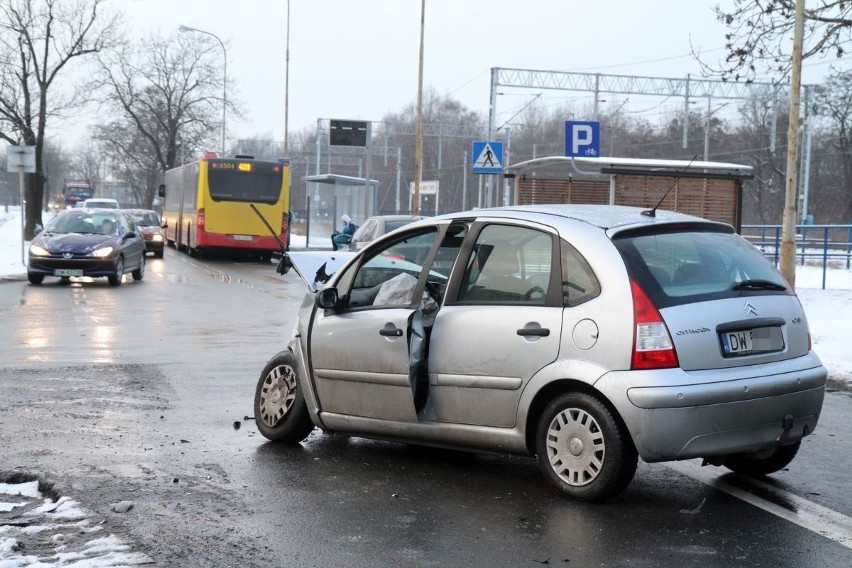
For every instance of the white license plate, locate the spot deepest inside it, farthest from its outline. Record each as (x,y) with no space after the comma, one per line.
(243,237)
(67,272)
(751,341)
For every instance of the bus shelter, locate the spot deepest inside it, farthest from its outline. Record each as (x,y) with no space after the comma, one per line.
(330,196)
(713,190)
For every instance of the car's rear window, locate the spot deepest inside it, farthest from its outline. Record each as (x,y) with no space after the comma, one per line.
(677,267)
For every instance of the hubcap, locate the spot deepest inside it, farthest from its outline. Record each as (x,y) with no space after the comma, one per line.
(575,447)
(277,394)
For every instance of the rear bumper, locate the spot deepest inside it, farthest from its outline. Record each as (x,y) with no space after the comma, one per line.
(674,414)
(244,242)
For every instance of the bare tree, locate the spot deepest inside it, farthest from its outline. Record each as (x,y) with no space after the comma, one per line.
(834,102)
(38,40)
(169,89)
(759,32)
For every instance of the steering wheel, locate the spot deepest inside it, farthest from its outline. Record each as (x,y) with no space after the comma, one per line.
(535,290)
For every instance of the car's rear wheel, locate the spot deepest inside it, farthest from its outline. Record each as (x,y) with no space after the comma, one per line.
(35,278)
(279,405)
(139,273)
(584,451)
(118,272)
(759,466)
(158,254)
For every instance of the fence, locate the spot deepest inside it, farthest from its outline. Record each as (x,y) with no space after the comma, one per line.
(821,244)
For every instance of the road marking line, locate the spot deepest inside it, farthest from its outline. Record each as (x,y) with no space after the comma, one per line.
(816,518)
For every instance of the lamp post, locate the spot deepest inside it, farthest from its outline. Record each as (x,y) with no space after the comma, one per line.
(224,77)
(287,84)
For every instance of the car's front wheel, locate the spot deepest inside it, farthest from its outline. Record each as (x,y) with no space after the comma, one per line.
(139,273)
(35,278)
(759,466)
(584,451)
(118,272)
(279,404)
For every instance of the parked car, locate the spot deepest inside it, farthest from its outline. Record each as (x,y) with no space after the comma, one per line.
(100,203)
(151,229)
(374,227)
(87,242)
(586,335)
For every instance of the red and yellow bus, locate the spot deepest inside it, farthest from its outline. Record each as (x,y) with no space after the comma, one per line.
(207,205)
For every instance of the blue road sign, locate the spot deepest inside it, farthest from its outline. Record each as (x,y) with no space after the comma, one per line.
(487,157)
(582,139)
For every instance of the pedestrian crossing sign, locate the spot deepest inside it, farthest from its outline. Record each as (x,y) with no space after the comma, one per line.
(487,157)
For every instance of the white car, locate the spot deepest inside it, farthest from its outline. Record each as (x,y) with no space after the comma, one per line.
(100,203)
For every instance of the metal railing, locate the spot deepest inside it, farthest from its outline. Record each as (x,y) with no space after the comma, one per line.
(821,244)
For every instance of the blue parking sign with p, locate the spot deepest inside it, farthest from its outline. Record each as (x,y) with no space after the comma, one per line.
(582,139)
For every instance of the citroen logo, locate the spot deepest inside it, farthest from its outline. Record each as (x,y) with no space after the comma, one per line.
(749,309)
(67,255)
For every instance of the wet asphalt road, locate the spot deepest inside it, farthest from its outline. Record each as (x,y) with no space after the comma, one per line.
(141,393)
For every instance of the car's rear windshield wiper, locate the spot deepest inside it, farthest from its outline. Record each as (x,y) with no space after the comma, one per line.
(757,285)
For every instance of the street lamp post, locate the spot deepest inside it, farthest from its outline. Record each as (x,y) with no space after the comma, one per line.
(287,85)
(224,77)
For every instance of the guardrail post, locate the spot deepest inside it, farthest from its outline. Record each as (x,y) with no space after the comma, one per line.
(824,255)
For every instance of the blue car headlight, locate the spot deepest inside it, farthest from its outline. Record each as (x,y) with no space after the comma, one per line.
(102,252)
(36,250)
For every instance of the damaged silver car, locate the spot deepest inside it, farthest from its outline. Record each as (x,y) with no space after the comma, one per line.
(587,336)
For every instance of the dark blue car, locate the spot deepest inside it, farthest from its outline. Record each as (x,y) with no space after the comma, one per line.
(88,242)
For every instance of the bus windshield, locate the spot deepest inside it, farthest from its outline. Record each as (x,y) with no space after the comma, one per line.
(236,180)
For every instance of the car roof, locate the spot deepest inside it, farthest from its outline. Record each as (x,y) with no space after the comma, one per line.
(397,217)
(611,218)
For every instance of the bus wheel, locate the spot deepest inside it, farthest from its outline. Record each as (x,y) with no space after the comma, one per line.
(191,251)
(265,256)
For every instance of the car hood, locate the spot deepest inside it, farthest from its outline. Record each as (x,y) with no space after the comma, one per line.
(78,243)
(315,267)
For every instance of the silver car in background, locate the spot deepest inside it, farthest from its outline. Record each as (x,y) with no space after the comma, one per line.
(587,336)
(374,227)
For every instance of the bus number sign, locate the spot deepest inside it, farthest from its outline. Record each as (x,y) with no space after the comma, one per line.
(244,167)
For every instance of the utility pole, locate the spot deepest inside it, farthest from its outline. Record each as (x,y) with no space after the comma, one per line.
(418,136)
(787,261)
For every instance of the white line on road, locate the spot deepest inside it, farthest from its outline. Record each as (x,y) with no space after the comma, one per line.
(816,518)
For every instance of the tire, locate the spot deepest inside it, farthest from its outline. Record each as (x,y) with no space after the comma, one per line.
(115,278)
(583,450)
(139,273)
(279,404)
(158,254)
(757,467)
(35,278)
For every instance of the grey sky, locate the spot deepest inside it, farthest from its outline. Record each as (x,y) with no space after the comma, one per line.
(358,60)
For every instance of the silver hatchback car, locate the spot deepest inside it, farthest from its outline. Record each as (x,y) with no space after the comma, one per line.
(587,336)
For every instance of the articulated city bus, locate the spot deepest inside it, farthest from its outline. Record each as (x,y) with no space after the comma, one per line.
(207,205)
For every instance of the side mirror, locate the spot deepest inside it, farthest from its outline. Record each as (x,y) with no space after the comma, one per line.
(284,264)
(326,298)
(164,224)
(161,191)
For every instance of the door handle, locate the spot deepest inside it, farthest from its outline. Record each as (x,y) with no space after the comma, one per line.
(534,331)
(390,330)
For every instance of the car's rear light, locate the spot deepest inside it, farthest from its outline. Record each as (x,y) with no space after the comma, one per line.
(199,220)
(652,344)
